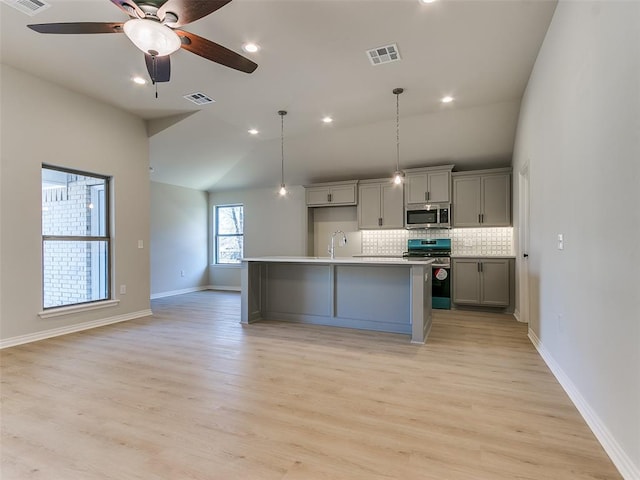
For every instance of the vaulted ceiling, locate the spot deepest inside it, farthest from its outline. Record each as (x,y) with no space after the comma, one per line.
(312,62)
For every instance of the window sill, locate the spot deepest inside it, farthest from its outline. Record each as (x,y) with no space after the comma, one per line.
(226,265)
(57,312)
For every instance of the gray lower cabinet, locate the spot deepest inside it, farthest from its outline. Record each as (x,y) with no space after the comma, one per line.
(380,205)
(481,281)
(482,199)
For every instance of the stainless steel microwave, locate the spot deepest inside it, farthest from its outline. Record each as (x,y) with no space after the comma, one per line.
(435,215)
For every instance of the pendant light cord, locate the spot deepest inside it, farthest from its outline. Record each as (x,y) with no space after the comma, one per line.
(398,131)
(282,149)
(397,92)
(282,113)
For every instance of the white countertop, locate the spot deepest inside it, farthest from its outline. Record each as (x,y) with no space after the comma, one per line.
(481,256)
(342,260)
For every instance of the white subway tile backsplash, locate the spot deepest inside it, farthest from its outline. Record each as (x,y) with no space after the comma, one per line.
(464,241)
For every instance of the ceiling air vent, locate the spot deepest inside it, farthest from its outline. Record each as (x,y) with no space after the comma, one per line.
(30,7)
(199,98)
(386,54)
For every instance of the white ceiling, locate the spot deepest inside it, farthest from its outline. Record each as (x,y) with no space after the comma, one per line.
(312,63)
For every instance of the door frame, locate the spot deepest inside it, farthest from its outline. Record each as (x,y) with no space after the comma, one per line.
(523,243)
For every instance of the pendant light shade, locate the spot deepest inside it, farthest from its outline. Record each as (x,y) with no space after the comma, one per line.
(283,188)
(398,175)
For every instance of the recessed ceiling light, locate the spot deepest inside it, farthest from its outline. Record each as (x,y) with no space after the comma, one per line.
(253,131)
(327,119)
(250,47)
(139,80)
(447,99)
(426,1)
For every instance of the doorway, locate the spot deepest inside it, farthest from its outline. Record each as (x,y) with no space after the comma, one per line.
(523,253)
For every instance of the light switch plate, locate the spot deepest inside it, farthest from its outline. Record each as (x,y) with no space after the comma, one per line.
(560,241)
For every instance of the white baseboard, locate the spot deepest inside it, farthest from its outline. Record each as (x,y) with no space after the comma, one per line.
(516,314)
(178,292)
(618,456)
(56,332)
(224,288)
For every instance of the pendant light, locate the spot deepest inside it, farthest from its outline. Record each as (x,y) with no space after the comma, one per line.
(283,189)
(398,175)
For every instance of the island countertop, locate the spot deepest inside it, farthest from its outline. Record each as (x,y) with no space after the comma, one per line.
(341,260)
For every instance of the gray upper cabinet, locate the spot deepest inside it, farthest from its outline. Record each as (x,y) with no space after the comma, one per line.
(431,184)
(332,194)
(380,205)
(481,281)
(482,198)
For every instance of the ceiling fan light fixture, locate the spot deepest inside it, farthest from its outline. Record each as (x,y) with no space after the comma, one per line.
(152,37)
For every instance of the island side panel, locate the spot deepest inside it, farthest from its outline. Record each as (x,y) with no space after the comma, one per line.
(373,297)
(297,289)
(420,303)
(252,291)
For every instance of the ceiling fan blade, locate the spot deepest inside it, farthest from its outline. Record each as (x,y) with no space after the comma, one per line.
(129,7)
(77,27)
(189,11)
(214,52)
(159,68)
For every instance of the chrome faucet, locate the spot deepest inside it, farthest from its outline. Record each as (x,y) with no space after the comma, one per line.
(343,242)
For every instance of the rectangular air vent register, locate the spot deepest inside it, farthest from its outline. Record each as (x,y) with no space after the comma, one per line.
(199,98)
(30,7)
(385,54)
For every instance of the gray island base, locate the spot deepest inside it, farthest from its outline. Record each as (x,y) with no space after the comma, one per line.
(383,294)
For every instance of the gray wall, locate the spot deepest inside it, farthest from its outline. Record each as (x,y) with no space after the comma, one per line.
(579,132)
(273,225)
(42,122)
(179,239)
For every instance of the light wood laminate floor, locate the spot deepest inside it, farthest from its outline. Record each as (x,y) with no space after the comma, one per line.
(191,394)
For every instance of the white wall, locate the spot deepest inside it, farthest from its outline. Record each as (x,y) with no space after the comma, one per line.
(579,131)
(273,225)
(327,220)
(42,122)
(179,239)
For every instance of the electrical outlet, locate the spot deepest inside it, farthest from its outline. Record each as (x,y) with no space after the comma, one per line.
(140,244)
(560,241)
(123,289)
(182,273)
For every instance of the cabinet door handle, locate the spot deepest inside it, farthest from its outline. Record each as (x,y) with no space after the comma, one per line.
(482,218)
(329,197)
(478,266)
(479,218)
(426,196)
(379,222)
(481,267)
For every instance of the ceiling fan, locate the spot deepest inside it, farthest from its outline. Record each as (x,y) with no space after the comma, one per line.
(154,27)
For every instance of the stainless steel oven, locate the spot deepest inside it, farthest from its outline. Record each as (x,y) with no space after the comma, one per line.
(439,250)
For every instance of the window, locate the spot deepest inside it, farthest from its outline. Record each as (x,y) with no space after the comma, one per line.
(75,237)
(229,223)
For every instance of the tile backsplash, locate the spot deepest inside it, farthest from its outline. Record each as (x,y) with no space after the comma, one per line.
(464,241)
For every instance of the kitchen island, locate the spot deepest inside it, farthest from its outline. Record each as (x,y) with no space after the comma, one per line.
(383,294)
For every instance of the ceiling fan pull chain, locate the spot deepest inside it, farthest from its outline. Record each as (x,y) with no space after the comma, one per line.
(155,72)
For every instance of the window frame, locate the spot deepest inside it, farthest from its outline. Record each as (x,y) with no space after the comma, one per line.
(106,237)
(217,235)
